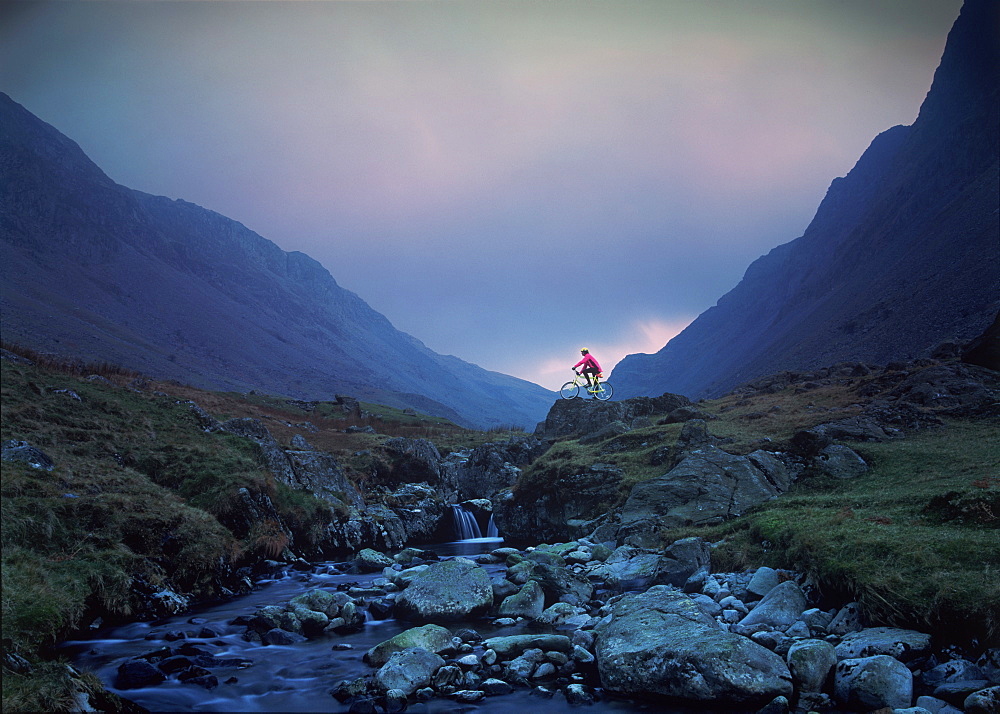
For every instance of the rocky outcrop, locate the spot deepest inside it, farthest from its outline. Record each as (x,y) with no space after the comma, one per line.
(985,349)
(21,451)
(578,417)
(954,390)
(708,486)
(569,507)
(492,467)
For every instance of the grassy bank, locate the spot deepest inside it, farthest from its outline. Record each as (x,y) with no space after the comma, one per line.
(139,496)
(916,541)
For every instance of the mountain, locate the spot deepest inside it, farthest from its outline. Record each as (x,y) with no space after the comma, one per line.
(100,271)
(902,255)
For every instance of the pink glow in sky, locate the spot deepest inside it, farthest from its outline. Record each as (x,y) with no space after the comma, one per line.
(641,336)
(504,180)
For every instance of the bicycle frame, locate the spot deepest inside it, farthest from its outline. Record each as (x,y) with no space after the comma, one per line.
(600,390)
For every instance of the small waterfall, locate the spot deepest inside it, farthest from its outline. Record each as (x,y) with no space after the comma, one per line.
(491,529)
(466,527)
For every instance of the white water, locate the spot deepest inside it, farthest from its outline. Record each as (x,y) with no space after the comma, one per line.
(466,527)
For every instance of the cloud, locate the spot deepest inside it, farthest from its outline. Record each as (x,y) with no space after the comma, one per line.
(648,335)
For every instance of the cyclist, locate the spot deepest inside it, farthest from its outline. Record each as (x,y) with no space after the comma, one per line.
(591,369)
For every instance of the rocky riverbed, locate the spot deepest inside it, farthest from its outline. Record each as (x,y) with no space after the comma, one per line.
(546,629)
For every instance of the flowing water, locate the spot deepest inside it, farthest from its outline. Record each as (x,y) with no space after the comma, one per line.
(299,677)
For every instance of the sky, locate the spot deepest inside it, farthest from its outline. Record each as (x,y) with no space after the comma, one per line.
(505,180)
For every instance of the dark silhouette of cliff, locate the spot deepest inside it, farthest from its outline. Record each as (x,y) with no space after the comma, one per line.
(902,255)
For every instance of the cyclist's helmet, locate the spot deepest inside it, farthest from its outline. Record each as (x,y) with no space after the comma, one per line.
(584,350)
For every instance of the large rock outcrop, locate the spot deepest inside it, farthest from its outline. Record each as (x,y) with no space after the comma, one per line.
(578,417)
(708,486)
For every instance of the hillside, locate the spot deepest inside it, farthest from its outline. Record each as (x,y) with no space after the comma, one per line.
(903,252)
(98,271)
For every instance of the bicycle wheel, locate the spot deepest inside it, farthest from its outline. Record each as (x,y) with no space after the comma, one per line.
(570,390)
(604,391)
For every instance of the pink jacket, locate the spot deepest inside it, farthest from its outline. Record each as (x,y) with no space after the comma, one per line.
(588,361)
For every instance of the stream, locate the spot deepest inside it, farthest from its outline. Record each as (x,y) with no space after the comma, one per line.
(299,677)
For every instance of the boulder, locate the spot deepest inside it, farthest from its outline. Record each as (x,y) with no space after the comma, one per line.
(528,602)
(937,706)
(682,559)
(956,692)
(432,638)
(408,670)
(840,461)
(873,683)
(781,607)
(512,646)
(779,468)
(319,600)
(847,619)
(989,663)
(811,662)
(660,643)
(763,580)
(985,701)
(628,568)
(137,673)
(952,670)
(446,591)
(901,644)
(492,467)
(277,636)
(371,561)
(562,585)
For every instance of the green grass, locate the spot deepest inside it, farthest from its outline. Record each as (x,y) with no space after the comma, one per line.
(140,496)
(882,539)
(885,539)
(916,541)
(131,506)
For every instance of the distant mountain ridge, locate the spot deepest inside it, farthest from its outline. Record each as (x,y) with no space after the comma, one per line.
(903,253)
(100,271)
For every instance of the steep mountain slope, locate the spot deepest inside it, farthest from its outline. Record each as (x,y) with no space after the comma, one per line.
(103,272)
(903,253)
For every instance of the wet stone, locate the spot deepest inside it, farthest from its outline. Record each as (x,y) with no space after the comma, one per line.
(277,636)
(174,664)
(138,673)
(468,696)
(496,687)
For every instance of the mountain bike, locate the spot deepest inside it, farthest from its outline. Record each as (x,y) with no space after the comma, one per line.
(600,390)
